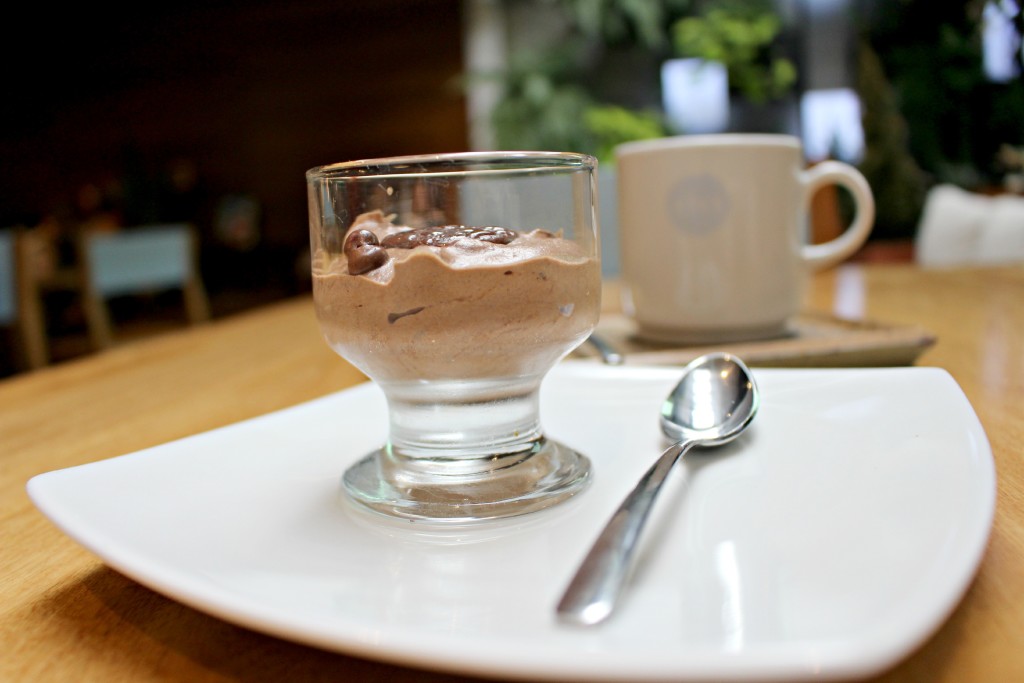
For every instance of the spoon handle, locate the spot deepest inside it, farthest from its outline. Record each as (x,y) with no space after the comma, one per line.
(594,590)
(609,356)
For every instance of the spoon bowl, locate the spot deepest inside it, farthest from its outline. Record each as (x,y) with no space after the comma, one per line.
(713,402)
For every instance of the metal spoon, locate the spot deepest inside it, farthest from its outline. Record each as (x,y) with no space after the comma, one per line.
(609,356)
(714,401)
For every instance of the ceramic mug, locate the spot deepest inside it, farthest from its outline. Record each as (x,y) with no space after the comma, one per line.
(714,233)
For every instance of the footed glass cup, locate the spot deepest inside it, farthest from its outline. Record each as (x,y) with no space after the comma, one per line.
(456,282)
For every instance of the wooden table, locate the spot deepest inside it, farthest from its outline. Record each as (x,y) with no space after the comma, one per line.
(66,616)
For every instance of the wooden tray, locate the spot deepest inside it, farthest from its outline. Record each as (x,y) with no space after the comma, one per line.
(814,340)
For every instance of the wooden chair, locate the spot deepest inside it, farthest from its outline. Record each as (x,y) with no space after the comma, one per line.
(138,261)
(20,304)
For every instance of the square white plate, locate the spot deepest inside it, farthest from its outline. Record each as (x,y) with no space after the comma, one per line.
(829,541)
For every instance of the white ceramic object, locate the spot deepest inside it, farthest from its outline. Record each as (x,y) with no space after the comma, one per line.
(714,233)
(828,542)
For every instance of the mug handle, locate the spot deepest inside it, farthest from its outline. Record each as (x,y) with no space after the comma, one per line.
(819,256)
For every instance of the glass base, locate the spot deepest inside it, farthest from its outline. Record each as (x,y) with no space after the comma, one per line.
(465,490)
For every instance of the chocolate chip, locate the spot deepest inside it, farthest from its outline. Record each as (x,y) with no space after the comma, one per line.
(363,252)
(358,238)
(493,235)
(444,236)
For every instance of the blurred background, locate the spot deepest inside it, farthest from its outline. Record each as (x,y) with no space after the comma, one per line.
(207,114)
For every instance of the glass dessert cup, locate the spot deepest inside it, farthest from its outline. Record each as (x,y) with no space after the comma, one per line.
(456,282)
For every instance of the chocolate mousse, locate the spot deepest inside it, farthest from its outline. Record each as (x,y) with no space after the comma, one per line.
(454,302)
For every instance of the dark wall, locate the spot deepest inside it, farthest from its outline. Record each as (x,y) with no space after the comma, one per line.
(250,93)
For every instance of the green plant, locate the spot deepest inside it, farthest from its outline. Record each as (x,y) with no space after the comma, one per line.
(550,97)
(540,111)
(957,119)
(542,104)
(896,180)
(744,39)
(641,22)
(611,125)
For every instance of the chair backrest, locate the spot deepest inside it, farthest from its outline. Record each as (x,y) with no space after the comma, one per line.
(20,305)
(1002,240)
(8,279)
(959,227)
(151,257)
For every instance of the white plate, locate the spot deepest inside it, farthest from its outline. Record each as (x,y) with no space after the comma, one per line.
(829,541)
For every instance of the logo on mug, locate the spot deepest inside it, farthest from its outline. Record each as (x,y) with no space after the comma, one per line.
(698,204)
